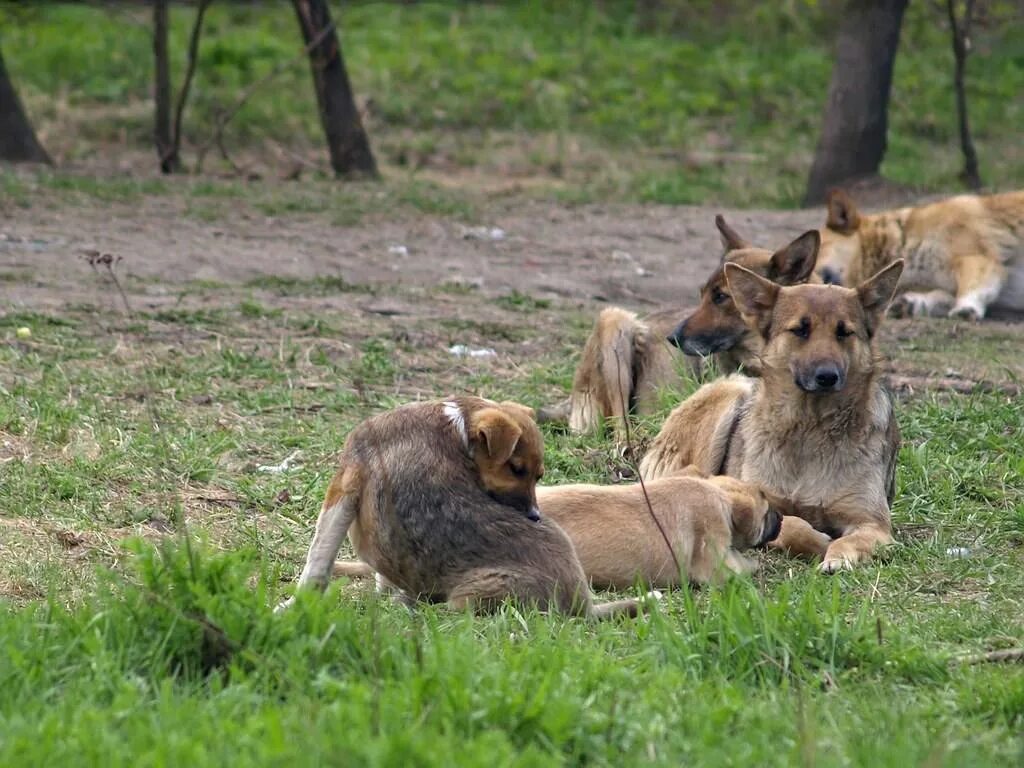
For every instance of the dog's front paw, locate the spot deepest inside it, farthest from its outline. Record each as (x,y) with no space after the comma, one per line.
(284,605)
(965,312)
(835,564)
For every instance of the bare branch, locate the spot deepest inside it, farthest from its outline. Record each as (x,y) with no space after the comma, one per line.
(222,121)
(961,31)
(193,58)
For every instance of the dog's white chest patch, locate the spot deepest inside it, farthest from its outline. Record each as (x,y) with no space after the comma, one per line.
(458,420)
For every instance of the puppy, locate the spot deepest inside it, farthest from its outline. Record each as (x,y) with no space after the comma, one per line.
(439,499)
(706,521)
(817,427)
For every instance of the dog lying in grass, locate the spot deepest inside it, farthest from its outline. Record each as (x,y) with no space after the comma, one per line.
(707,521)
(628,359)
(817,427)
(439,499)
(962,255)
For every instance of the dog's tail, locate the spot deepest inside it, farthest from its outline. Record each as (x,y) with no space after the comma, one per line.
(605,380)
(355,569)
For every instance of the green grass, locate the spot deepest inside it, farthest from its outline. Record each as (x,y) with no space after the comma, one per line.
(685,106)
(164,651)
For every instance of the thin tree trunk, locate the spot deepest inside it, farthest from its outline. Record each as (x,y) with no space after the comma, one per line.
(18,143)
(347,141)
(169,160)
(961,48)
(853,135)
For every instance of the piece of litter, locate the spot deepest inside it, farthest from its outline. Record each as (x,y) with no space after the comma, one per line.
(284,466)
(643,272)
(461,350)
(958,552)
(398,250)
(483,233)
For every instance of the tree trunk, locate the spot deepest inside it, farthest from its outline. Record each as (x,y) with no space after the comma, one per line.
(18,143)
(169,161)
(853,136)
(346,138)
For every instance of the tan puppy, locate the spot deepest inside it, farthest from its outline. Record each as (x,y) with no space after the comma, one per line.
(439,499)
(707,522)
(628,359)
(963,254)
(817,428)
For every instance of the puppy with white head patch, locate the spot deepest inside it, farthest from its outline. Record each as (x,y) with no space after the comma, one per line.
(439,498)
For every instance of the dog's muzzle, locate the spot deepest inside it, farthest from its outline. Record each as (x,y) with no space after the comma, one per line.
(826,377)
(700,345)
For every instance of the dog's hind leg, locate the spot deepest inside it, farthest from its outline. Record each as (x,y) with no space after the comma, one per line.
(979,279)
(339,511)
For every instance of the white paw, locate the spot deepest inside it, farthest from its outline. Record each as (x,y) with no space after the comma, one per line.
(966,312)
(836,564)
(285,605)
(652,597)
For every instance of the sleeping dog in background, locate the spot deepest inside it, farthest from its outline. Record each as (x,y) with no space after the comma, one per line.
(817,428)
(962,255)
(439,499)
(627,360)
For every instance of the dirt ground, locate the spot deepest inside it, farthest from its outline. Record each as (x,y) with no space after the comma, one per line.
(582,257)
(641,255)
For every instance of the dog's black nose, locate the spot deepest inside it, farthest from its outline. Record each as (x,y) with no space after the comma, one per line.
(772,528)
(830,276)
(826,377)
(533,514)
(678,336)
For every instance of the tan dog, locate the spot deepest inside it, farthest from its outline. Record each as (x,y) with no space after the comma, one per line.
(707,522)
(962,255)
(817,428)
(626,360)
(439,498)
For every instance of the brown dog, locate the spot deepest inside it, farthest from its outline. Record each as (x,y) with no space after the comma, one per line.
(439,498)
(706,521)
(817,428)
(963,254)
(626,359)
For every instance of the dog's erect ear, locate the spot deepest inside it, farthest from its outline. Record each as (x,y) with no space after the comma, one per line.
(843,216)
(731,241)
(753,295)
(877,291)
(794,263)
(496,432)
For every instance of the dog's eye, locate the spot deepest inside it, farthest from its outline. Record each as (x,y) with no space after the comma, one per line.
(802,331)
(518,470)
(718,296)
(842,331)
